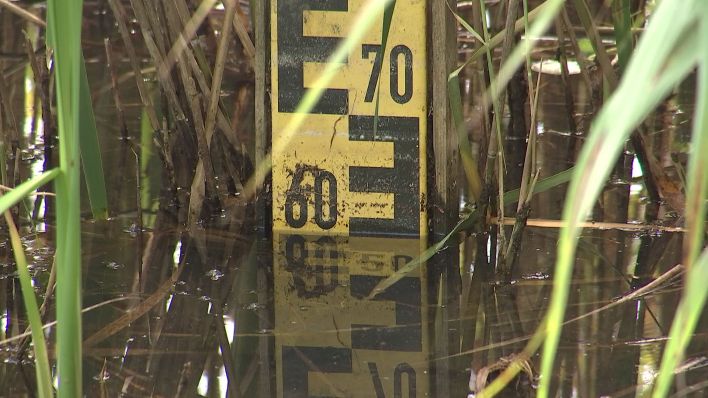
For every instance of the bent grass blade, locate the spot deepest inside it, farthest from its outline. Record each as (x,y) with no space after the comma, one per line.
(466,224)
(664,56)
(41,358)
(25,189)
(91,151)
(8,200)
(694,296)
(684,324)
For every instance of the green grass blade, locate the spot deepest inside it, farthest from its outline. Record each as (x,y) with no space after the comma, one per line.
(664,56)
(468,164)
(385,29)
(455,98)
(687,314)
(694,296)
(697,178)
(541,22)
(386,26)
(603,59)
(41,358)
(21,191)
(91,151)
(495,139)
(465,224)
(542,185)
(622,21)
(467,26)
(149,172)
(65,18)
(499,37)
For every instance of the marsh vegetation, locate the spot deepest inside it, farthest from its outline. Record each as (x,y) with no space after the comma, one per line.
(137,256)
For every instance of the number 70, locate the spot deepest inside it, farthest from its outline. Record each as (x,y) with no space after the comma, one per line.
(395,55)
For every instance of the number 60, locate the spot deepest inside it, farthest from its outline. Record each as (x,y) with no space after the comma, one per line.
(296,195)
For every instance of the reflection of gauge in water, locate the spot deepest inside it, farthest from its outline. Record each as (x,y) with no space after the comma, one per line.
(329,336)
(349,203)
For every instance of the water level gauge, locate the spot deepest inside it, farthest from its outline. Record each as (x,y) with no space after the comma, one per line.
(349,203)
(340,174)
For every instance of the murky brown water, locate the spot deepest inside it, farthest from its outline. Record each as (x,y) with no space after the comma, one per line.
(177,313)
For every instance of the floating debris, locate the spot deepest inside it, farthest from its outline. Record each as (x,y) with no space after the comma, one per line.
(215,274)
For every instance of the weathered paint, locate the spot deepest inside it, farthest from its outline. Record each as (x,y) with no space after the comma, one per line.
(349,205)
(380,180)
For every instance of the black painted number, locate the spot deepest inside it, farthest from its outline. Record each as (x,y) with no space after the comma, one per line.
(297,198)
(367,49)
(315,272)
(399,53)
(325,221)
(401,369)
(407,93)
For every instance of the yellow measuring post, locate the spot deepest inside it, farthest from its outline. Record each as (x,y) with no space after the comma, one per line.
(339,174)
(349,203)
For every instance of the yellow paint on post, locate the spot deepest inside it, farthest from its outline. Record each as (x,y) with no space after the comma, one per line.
(349,204)
(380,180)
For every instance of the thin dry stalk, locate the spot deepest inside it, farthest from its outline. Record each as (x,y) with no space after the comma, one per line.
(21,12)
(520,223)
(563,61)
(135,312)
(114,84)
(655,180)
(203,186)
(660,282)
(585,65)
(11,135)
(12,130)
(199,64)
(182,43)
(530,158)
(145,95)
(42,87)
(176,142)
(496,140)
(139,206)
(240,26)
(600,52)
(53,323)
(37,193)
(217,77)
(547,223)
(150,23)
(120,17)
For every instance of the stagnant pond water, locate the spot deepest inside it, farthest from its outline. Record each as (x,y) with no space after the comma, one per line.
(176,313)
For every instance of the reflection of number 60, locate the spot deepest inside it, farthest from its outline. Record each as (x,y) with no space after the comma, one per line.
(296,196)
